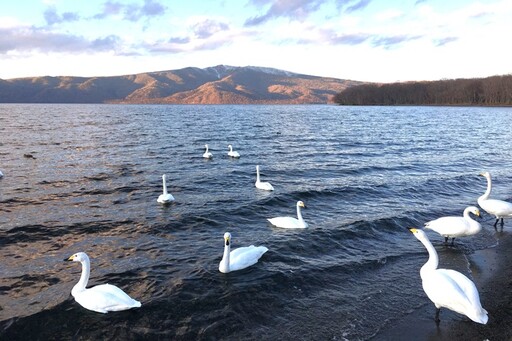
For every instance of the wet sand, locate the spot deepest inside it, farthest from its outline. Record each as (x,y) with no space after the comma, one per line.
(491,270)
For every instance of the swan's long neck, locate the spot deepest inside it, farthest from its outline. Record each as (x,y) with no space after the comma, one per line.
(466,215)
(299,214)
(164,185)
(257,174)
(474,226)
(84,278)
(488,191)
(206,148)
(224,263)
(433,259)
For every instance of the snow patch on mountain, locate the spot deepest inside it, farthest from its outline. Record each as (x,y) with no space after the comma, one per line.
(221,71)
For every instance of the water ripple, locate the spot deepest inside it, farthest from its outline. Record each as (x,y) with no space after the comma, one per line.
(365,174)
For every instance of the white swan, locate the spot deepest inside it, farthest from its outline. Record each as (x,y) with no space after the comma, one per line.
(448,288)
(240,258)
(207,154)
(499,208)
(290,222)
(262,185)
(101,298)
(165,197)
(232,153)
(1,174)
(451,227)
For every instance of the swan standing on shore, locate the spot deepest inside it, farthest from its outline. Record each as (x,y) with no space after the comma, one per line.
(499,208)
(290,222)
(262,185)
(451,227)
(448,288)
(165,197)
(233,153)
(240,258)
(101,298)
(207,154)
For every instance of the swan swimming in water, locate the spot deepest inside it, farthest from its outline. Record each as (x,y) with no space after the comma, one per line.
(165,197)
(448,288)
(451,227)
(499,208)
(233,153)
(262,185)
(101,298)
(240,258)
(290,222)
(207,154)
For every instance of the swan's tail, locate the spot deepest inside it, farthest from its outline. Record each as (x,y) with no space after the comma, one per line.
(482,317)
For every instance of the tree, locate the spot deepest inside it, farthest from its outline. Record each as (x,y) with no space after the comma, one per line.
(495,90)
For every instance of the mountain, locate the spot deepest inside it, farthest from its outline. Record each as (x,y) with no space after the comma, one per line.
(214,85)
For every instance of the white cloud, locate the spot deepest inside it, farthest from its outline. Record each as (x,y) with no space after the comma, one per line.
(389,15)
(381,41)
(10,22)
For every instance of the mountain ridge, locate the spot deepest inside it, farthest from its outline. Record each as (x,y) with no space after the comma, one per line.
(221,84)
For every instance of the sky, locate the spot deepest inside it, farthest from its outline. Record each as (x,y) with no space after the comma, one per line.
(363,40)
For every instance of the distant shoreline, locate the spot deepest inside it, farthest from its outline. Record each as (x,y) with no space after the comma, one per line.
(490,91)
(274,104)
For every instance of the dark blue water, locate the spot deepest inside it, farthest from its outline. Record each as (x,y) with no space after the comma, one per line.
(86,178)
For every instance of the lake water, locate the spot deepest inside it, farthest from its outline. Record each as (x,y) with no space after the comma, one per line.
(86,178)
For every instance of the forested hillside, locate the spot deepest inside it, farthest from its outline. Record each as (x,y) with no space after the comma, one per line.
(492,91)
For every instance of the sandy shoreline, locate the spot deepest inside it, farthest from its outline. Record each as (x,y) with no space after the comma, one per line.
(492,272)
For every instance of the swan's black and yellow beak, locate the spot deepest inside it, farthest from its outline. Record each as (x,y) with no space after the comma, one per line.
(226,241)
(413,230)
(70,259)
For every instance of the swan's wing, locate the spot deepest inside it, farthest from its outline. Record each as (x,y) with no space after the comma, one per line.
(444,291)
(264,185)
(448,226)
(467,286)
(285,222)
(244,257)
(451,289)
(497,207)
(165,198)
(241,251)
(475,312)
(106,297)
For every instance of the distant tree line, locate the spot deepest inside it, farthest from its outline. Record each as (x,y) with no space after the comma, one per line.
(491,91)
